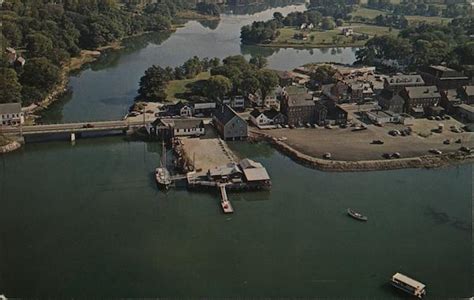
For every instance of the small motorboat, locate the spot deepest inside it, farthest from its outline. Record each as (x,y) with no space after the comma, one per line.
(356,215)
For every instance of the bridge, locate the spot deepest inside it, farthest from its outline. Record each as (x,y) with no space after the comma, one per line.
(72,128)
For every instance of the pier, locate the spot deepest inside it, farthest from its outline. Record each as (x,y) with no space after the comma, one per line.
(225,203)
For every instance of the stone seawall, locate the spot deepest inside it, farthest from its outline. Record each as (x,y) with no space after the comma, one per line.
(427,161)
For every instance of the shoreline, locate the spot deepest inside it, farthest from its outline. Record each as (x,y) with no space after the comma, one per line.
(75,64)
(306,46)
(420,162)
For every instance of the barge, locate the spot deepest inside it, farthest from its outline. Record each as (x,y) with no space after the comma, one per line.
(408,285)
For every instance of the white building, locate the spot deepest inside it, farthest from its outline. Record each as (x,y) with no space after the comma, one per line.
(11,114)
(236,102)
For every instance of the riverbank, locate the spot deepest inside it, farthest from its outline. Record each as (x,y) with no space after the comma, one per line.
(425,161)
(194,15)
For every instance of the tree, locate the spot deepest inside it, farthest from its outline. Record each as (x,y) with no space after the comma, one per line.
(217,87)
(259,61)
(40,73)
(328,23)
(12,33)
(10,88)
(38,45)
(152,86)
(323,74)
(250,85)
(268,81)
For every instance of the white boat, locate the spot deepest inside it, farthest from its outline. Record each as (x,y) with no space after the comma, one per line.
(162,175)
(408,285)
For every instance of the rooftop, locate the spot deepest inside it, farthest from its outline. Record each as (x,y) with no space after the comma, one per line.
(405,279)
(467,107)
(418,92)
(469,89)
(10,108)
(401,80)
(224,114)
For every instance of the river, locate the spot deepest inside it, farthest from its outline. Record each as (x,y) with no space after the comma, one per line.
(106,89)
(87,220)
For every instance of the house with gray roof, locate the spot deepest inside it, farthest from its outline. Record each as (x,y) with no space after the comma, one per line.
(391,101)
(466,93)
(11,114)
(418,99)
(397,83)
(443,77)
(229,124)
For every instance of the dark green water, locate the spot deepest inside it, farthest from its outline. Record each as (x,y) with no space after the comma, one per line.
(88,220)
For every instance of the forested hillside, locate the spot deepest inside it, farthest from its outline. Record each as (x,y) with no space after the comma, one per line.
(48,33)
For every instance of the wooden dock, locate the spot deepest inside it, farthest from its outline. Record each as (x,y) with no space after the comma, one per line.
(225,203)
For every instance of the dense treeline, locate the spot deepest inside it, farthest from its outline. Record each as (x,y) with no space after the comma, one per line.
(234,76)
(421,8)
(48,32)
(423,45)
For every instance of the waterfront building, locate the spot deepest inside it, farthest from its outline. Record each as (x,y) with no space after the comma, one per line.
(443,77)
(398,82)
(466,112)
(203,108)
(269,101)
(235,102)
(169,128)
(11,114)
(467,94)
(361,91)
(450,100)
(229,124)
(382,117)
(419,98)
(391,101)
(298,106)
(179,109)
(266,117)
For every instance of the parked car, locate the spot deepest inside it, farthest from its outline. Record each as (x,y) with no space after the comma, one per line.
(458,141)
(386,155)
(327,155)
(377,142)
(394,132)
(343,125)
(431,118)
(396,155)
(465,149)
(435,151)
(447,117)
(88,126)
(328,126)
(447,142)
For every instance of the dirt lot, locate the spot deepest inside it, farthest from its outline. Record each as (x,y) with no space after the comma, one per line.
(209,152)
(345,144)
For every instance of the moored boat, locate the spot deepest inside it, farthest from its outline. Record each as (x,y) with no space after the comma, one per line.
(408,285)
(356,215)
(163,177)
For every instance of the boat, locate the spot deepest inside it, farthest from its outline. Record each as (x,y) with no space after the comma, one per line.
(408,285)
(356,215)
(162,175)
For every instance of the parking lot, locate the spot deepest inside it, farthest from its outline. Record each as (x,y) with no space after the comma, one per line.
(346,144)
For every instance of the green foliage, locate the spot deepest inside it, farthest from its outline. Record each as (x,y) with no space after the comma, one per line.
(38,77)
(423,45)
(217,87)
(323,75)
(208,8)
(10,88)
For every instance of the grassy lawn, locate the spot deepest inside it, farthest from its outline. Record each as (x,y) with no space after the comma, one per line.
(327,38)
(373,13)
(367,13)
(177,87)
